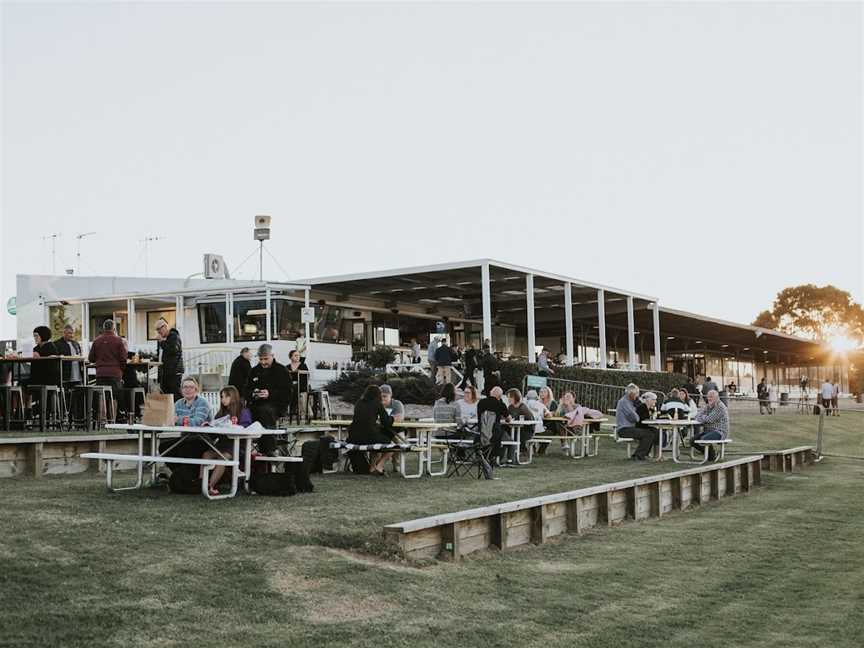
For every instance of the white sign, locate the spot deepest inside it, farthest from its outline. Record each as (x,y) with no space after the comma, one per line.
(307,315)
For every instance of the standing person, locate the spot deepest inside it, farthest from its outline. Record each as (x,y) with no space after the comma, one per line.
(240,369)
(69,346)
(415,351)
(628,419)
(444,357)
(372,424)
(170,350)
(299,384)
(762,395)
(708,385)
(470,366)
(826,392)
(430,356)
(267,393)
(543,368)
(489,365)
(835,399)
(108,352)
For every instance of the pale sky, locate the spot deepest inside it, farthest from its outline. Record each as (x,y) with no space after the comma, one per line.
(708,154)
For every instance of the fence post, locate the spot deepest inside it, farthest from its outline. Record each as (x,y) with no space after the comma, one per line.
(819,433)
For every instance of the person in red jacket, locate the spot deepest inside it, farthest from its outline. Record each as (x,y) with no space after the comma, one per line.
(108,353)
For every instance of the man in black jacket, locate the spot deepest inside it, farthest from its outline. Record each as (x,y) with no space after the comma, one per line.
(170,350)
(68,346)
(267,392)
(240,369)
(470,366)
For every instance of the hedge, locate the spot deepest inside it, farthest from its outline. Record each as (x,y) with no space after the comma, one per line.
(420,389)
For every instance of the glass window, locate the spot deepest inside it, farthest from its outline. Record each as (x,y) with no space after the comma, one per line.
(328,323)
(211,323)
(250,320)
(287,324)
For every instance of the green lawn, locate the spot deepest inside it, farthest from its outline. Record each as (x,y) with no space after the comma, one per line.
(80,567)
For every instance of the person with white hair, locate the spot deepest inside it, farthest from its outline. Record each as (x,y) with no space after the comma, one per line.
(628,420)
(714,417)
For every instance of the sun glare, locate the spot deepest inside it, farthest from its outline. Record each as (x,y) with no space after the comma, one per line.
(843,343)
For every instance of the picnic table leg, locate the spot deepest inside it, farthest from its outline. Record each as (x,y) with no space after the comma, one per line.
(247,467)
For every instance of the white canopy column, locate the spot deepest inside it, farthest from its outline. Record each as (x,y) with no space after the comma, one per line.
(178,314)
(657,364)
(306,324)
(568,321)
(487,303)
(631,333)
(268,330)
(529,298)
(130,324)
(229,317)
(601,325)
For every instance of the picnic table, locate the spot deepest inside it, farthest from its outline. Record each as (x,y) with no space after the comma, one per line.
(672,425)
(204,433)
(425,440)
(582,436)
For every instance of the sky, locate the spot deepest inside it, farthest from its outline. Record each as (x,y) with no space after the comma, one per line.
(706,154)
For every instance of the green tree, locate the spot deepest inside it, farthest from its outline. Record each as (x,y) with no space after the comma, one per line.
(816,312)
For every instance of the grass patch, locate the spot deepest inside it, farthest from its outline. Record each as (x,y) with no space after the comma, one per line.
(80,567)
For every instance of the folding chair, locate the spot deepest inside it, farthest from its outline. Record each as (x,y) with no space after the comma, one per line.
(473,454)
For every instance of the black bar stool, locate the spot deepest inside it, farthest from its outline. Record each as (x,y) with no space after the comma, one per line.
(130,402)
(50,405)
(6,394)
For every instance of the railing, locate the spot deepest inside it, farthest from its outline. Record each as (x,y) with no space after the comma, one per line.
(595,395)
(209,361)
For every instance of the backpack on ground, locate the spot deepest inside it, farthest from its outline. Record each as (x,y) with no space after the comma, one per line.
(184,480)
(359,462)
(279,484)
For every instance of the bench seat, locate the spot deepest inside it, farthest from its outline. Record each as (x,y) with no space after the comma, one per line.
(109,456)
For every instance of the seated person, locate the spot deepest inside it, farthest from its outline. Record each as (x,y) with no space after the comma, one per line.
(538,409)
(229,405)
(446,409)
(493,405)
(372,424)
(714,417)
(191,405)
(518,410)
(394,407)
(628,422)
(674,407)
(468,407)
(692,410)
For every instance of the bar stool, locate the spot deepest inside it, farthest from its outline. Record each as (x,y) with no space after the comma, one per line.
(50,405)
(130,402)
(101,397)
(87,398)
(6,393)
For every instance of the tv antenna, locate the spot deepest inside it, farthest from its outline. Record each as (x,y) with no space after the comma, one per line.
(78,251)
(146,241)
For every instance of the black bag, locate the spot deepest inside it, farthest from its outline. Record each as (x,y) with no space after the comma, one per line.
(279,484)
(319,456)
(184,480)
(359,462)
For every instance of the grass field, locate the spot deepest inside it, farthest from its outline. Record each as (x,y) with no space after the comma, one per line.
(781,567)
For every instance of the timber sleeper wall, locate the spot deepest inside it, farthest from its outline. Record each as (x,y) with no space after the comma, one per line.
(534,520)
(788,460)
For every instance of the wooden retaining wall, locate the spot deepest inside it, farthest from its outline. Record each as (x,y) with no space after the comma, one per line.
(534,520)
(35,456)
(788,460)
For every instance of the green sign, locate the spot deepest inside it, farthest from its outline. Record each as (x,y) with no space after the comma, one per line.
(535,381)
(11,306)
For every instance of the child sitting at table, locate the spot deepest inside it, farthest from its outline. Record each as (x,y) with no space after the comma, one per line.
(229,406)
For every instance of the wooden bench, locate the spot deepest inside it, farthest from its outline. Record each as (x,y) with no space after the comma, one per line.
(207,464)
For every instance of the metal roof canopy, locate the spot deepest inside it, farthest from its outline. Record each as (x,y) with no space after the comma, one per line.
(459,284)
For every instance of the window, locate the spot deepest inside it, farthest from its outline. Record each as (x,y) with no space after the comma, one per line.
(169,316)
(250,320)
(211,323)
(287,324)
(328,323)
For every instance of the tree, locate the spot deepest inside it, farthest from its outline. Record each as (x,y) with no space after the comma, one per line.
(816,312)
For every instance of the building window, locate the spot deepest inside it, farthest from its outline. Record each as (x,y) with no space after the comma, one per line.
(250,320)
(328,323)
(287,324)
(211,323)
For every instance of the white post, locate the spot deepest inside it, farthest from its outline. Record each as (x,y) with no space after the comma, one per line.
(529,297)
(601,325)
(487,303)
(178,315)
(267,303)
(631,334)
(568,322)
(656,337)
(229,317)
(130,324)
(306,324)
(85,325)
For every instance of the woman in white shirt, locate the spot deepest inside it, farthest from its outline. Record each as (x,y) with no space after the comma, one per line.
(468,405)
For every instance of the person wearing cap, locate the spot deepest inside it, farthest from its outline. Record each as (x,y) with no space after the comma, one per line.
(240,369)
(267,391)
(394,407)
